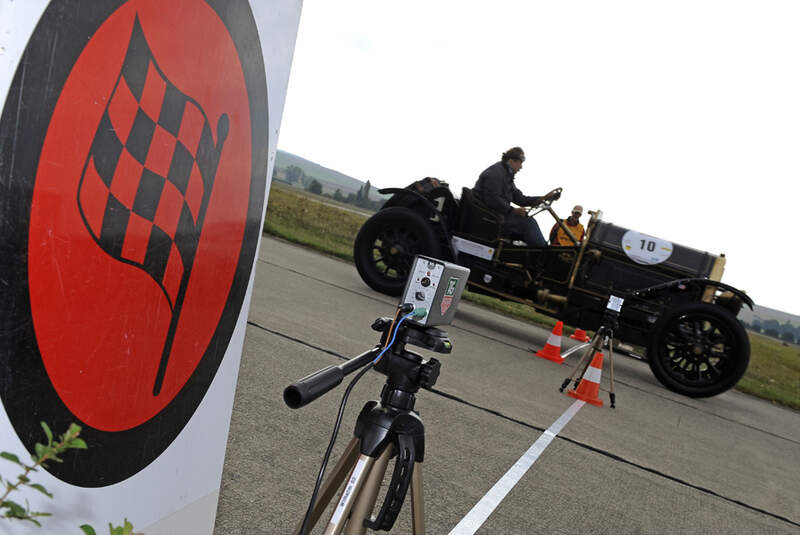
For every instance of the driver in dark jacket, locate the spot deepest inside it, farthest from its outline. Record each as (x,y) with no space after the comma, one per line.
(495,187)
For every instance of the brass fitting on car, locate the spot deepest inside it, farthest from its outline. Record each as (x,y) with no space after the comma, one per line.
(544,296)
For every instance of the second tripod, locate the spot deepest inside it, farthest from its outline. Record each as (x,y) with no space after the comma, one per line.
(602,339)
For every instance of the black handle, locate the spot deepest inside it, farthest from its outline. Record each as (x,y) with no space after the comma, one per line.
(313,386)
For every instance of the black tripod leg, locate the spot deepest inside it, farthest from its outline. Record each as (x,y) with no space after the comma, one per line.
(612,396)
(332,484)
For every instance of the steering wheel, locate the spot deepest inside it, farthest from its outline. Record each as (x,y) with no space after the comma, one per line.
(553,195)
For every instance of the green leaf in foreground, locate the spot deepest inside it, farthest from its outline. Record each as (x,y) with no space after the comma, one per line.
(47,432)
(11,457)
(78,443)
(15,510)
(73,431)
(41,489)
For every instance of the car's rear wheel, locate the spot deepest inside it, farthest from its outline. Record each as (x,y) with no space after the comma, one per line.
(699,350)
(386,244)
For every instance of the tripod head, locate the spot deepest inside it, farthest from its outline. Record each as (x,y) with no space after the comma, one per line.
(405,370)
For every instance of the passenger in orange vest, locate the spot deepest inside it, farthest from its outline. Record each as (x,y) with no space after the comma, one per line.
(559,237)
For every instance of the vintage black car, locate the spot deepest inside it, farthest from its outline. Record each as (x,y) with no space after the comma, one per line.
(675,305)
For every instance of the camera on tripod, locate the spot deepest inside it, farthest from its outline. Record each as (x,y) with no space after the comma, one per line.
(389,427)
(433,290)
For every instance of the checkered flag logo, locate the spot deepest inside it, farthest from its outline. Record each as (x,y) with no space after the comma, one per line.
(149,175)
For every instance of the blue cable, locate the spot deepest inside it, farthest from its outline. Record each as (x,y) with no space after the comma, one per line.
(420,312)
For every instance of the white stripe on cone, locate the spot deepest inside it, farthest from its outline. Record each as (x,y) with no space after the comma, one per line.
(554,340)
(592,375)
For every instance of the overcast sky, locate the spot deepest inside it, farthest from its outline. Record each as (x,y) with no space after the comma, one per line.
(678,119)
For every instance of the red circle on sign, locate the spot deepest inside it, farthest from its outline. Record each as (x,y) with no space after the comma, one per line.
(101,323)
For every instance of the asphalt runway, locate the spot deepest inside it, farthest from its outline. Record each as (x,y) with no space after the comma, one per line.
(658,463)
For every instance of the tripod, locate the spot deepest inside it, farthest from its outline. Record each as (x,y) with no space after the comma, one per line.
(603,338)
(384,429)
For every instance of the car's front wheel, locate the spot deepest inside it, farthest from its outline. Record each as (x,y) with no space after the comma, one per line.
(699,350)
(386,245)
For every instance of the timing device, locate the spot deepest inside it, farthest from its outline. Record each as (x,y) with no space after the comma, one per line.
(436,286)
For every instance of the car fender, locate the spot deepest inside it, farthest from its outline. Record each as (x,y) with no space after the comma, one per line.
(416,201)
(645,292)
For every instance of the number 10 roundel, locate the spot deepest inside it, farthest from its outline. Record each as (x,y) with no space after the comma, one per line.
(134,146)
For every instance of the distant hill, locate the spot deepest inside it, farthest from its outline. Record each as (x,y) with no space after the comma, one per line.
(764,314)
(331,180)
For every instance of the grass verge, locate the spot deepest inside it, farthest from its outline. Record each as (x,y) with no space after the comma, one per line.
(773,374)
(774,371)
(305,220)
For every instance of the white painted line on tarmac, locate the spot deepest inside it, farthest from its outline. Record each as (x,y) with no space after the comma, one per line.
(481,511)
(572,350)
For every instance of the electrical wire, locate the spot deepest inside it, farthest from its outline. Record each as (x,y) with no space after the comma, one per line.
(397,328)
(338,423)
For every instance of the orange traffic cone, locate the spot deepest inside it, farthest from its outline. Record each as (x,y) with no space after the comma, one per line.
(580,335)
(552,349)
(589,387)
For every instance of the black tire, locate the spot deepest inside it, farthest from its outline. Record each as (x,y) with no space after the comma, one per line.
(386,244)
(699,350)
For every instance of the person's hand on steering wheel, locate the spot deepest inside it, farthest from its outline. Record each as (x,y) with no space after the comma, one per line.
(547,200)
(551,196)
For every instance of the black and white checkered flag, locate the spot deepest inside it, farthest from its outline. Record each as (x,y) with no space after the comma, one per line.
(149,175)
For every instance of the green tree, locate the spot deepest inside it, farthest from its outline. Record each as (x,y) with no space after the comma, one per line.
(786,328)
(337,195)
(314,187)
(294,174)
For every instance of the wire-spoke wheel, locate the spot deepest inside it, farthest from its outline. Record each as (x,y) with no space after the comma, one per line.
(699,350)
(386,245)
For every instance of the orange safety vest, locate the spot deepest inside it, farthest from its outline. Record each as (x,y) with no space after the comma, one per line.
(561,237)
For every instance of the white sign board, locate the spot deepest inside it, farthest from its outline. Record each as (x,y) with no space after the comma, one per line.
(137,140)
(463,245)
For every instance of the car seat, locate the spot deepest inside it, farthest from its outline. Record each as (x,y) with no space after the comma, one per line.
(476,220)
